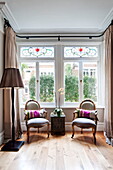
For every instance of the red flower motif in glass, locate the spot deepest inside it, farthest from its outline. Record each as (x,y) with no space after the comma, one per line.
(37,49)
(80,49)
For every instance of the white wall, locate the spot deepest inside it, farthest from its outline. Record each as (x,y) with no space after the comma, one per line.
(1,72)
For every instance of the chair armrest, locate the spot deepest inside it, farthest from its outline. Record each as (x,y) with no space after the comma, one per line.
(96,117)
(75,114)
(44,112)
(45,115)
(25,117)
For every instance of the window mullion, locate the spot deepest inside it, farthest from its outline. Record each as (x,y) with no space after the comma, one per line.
(80,81)
(58,72)
(37,82)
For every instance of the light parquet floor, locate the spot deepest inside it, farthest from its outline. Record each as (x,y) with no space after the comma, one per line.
(60,153)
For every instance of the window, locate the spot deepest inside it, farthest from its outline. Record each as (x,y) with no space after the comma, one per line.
(71,81)
(80,76)
(38,75)
(90,87)
(46,80)
(28,71)
(45,69)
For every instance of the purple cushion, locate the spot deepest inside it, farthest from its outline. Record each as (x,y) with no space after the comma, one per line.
(86,113)
(35,113)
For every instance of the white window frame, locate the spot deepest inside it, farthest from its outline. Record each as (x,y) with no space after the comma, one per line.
(59,60)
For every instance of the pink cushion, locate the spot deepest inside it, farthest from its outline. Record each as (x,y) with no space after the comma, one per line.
(35,113)
(86,113)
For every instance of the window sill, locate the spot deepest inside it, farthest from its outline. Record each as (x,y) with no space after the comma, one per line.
(65,107)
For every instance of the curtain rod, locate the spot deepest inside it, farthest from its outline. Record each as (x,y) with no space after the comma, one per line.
(7,24)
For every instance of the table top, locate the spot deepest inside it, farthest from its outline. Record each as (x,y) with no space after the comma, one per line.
(55,114)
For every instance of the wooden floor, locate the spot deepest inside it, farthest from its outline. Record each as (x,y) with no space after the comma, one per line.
(60,153)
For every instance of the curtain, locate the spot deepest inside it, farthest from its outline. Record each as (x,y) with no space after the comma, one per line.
(108,119)
(11,62)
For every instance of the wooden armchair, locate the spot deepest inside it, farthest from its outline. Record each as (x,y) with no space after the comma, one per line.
(35,117)
(85,117)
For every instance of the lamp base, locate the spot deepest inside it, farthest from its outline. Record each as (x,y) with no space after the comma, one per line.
(12,146)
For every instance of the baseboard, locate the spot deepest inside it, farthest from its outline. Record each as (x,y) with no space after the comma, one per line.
(68,127)
(1,137)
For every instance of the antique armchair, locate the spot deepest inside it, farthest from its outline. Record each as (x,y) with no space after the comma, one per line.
(35,117)
(85,117)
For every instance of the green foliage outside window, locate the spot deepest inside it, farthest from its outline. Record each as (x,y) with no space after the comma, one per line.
(46,88)
(71,88)
(32,87)
(89,88)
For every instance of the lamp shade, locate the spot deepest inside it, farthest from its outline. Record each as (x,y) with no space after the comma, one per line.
(11,78)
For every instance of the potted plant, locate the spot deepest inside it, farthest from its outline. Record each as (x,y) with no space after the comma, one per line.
(58,111)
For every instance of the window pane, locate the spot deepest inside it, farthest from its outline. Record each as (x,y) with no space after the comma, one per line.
(46,71)
(29,80)
(80,52)
(37,52)
(90,80)
(71,70)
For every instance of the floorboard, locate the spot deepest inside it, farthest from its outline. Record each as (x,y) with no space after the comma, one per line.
(60,153)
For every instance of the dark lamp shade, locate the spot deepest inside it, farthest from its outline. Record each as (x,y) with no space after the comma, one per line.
(11,78)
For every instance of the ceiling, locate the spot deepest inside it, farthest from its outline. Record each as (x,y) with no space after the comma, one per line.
(59,16)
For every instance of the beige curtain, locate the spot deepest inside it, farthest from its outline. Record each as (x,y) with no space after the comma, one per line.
(109,85)
(11,62)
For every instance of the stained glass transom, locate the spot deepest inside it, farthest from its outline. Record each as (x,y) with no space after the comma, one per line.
(80,52)
(37,52)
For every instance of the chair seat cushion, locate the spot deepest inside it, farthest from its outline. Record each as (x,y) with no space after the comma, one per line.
(84,123)
(37,122)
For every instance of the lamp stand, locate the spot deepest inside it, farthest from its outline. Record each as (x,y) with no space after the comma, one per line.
(12,145)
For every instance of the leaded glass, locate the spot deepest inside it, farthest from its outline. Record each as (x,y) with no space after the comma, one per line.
(80,52)
(37,52)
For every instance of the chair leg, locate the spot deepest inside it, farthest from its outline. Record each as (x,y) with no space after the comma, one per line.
(48,129)
(38,130)
(72,131)
(27,135)
(94,133)
(81,131)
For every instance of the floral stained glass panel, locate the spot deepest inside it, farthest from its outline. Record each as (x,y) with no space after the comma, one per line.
(37,52)
(80,52)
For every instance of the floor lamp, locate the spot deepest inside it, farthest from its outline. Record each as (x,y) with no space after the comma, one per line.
(12,79)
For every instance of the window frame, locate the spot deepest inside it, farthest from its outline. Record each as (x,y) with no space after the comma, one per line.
(59,60)
(80,60)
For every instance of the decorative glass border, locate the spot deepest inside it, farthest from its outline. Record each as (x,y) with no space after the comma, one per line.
(80,52)
(37,52)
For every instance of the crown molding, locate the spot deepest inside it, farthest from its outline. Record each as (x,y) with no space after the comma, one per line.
(107,21)
(1,5)
(6,12)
